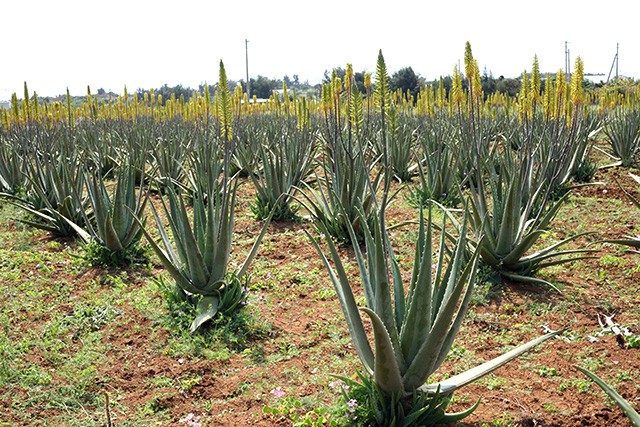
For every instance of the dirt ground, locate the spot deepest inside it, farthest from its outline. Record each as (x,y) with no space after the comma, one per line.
(540,389)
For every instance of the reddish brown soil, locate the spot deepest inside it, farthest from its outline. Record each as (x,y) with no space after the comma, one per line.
(520,394)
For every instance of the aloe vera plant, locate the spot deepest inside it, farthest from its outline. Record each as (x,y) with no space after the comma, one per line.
(414,326)
(12,166)
(287,161)
(197,258)
(402,139)
(631,241)
(622,403)
(55,196)
(622,128)
(247,140)
(343,184)
(113,227)
(512,211)
(513,185)
(170,151)
(413,331)
(438,165)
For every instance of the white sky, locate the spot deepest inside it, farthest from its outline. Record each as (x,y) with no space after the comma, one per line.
(55,44)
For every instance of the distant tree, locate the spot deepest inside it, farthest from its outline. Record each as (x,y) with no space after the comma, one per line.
(263,87)
(488,83)
(407,80)
(508,86)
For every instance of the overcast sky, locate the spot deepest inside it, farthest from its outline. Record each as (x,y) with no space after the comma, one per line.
(55,44)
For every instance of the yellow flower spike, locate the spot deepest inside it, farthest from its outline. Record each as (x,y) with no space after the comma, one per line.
(456,88)
(477,82)
(524,104)
(382,88)
(15,107)
(469,64)
(561,89)
(548,97)
(336,87)
(36,114)
(536,83)
(367,81)
(69,109)
(225,117)
(326,97)
(348,77)
(122,113)
(25,103)
(577,91)
(285,97)
(441,94)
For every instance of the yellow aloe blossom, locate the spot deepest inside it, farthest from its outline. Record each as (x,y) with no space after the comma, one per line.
(577,91)
(456,88)
(469,64)
(560,92)
(477,83)
(535,82)
(524,99)
(548,98)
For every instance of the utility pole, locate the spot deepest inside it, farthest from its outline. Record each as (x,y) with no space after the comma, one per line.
(617,58)
(567,60)
(615,62)
(246,52)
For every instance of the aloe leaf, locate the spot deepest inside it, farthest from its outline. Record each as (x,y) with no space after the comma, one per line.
(196,268)
(506,235)
(634,417)
(377,271)
(82,233)
(469,276)
(630,241)
(447,322)
(386,371)
(206,309)
(418,317)
(457,416)
(457,381)
(521,247)
(539,264)
(111,239)
(528,279)
(546,219)
(548,251)
(347,300)
(168,260)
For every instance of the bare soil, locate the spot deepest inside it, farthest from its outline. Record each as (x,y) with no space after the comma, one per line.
(540,389)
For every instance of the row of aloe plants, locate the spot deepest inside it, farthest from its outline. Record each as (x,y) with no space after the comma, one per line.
(356,162)
(414,326)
